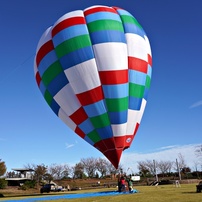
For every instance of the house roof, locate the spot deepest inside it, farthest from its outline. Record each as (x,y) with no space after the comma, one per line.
(23,169)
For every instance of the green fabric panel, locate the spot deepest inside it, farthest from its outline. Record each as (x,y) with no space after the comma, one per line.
(72,44)
(136,90)
(48,97)
(100,121)
(130,19)
(94,136)
(148,82)
(117,105)
(51,73)
(99,25)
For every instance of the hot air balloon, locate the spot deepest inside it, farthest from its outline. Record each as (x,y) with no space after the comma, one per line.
(93,68)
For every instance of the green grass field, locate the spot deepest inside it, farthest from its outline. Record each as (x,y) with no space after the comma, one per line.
(166,193)
(163,193)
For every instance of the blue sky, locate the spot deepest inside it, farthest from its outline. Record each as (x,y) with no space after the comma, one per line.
(31,133)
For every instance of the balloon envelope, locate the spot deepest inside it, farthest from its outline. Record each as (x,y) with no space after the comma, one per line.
(93,68)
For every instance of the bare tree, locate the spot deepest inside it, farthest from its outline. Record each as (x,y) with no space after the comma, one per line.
(151,167)
(66,171)
(143,169)
(198,151)
(101,166)
(78,170)
(165,166)
(181,163)
(89,165)
(111,170)
(56,170)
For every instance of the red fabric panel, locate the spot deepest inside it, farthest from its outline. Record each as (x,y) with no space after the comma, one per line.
(79,132)
(114,156)
(99,9)
(91,96)
(114,77)
(137,64)
(149,60)
(67,23)
(46,48)
(79,116)
(38,78)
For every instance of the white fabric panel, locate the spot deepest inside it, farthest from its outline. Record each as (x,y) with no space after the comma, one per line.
(77,13)
(67,100)
(44,38)
(35,66)
(111,56)
(63,116)
(141,112)
(137,47)
(148,46)
(83,77)
(132,121)
(134,117)
(119,129)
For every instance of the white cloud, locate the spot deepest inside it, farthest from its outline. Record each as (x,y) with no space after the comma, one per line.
(196,104)
(167,147)
(168,153)
(69,145)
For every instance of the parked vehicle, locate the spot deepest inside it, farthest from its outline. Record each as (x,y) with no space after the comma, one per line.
(50,187)
(199,187)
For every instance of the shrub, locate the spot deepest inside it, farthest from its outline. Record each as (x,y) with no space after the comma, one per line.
(28,185)
(3,183)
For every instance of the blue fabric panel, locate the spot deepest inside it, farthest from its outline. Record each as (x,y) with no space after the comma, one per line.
(137,77)
(134,103)
(55,107)
(102,16)
(105,36)
(69,33)
(146,92)
(57,84)
(42,88)
(115,91)
(105,132)
(87,139)
(76,57)
(123,12)
(118,117)
(86,126)
(47,61)
(149,71)
(132,28)
(95,109)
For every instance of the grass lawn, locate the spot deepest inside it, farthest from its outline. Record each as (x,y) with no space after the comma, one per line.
(163,193)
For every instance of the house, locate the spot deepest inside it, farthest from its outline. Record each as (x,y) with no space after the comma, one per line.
(19,176)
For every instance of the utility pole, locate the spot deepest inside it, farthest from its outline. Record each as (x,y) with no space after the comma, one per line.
(155,171)
(178,168)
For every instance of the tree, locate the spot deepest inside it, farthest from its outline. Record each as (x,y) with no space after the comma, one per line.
(78,171)
(198,152)
(89,165)
(40,172)
(180,163)
(101,165)
(2,168)
(151,167)
(59,171)
(165,167)
(143,169)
